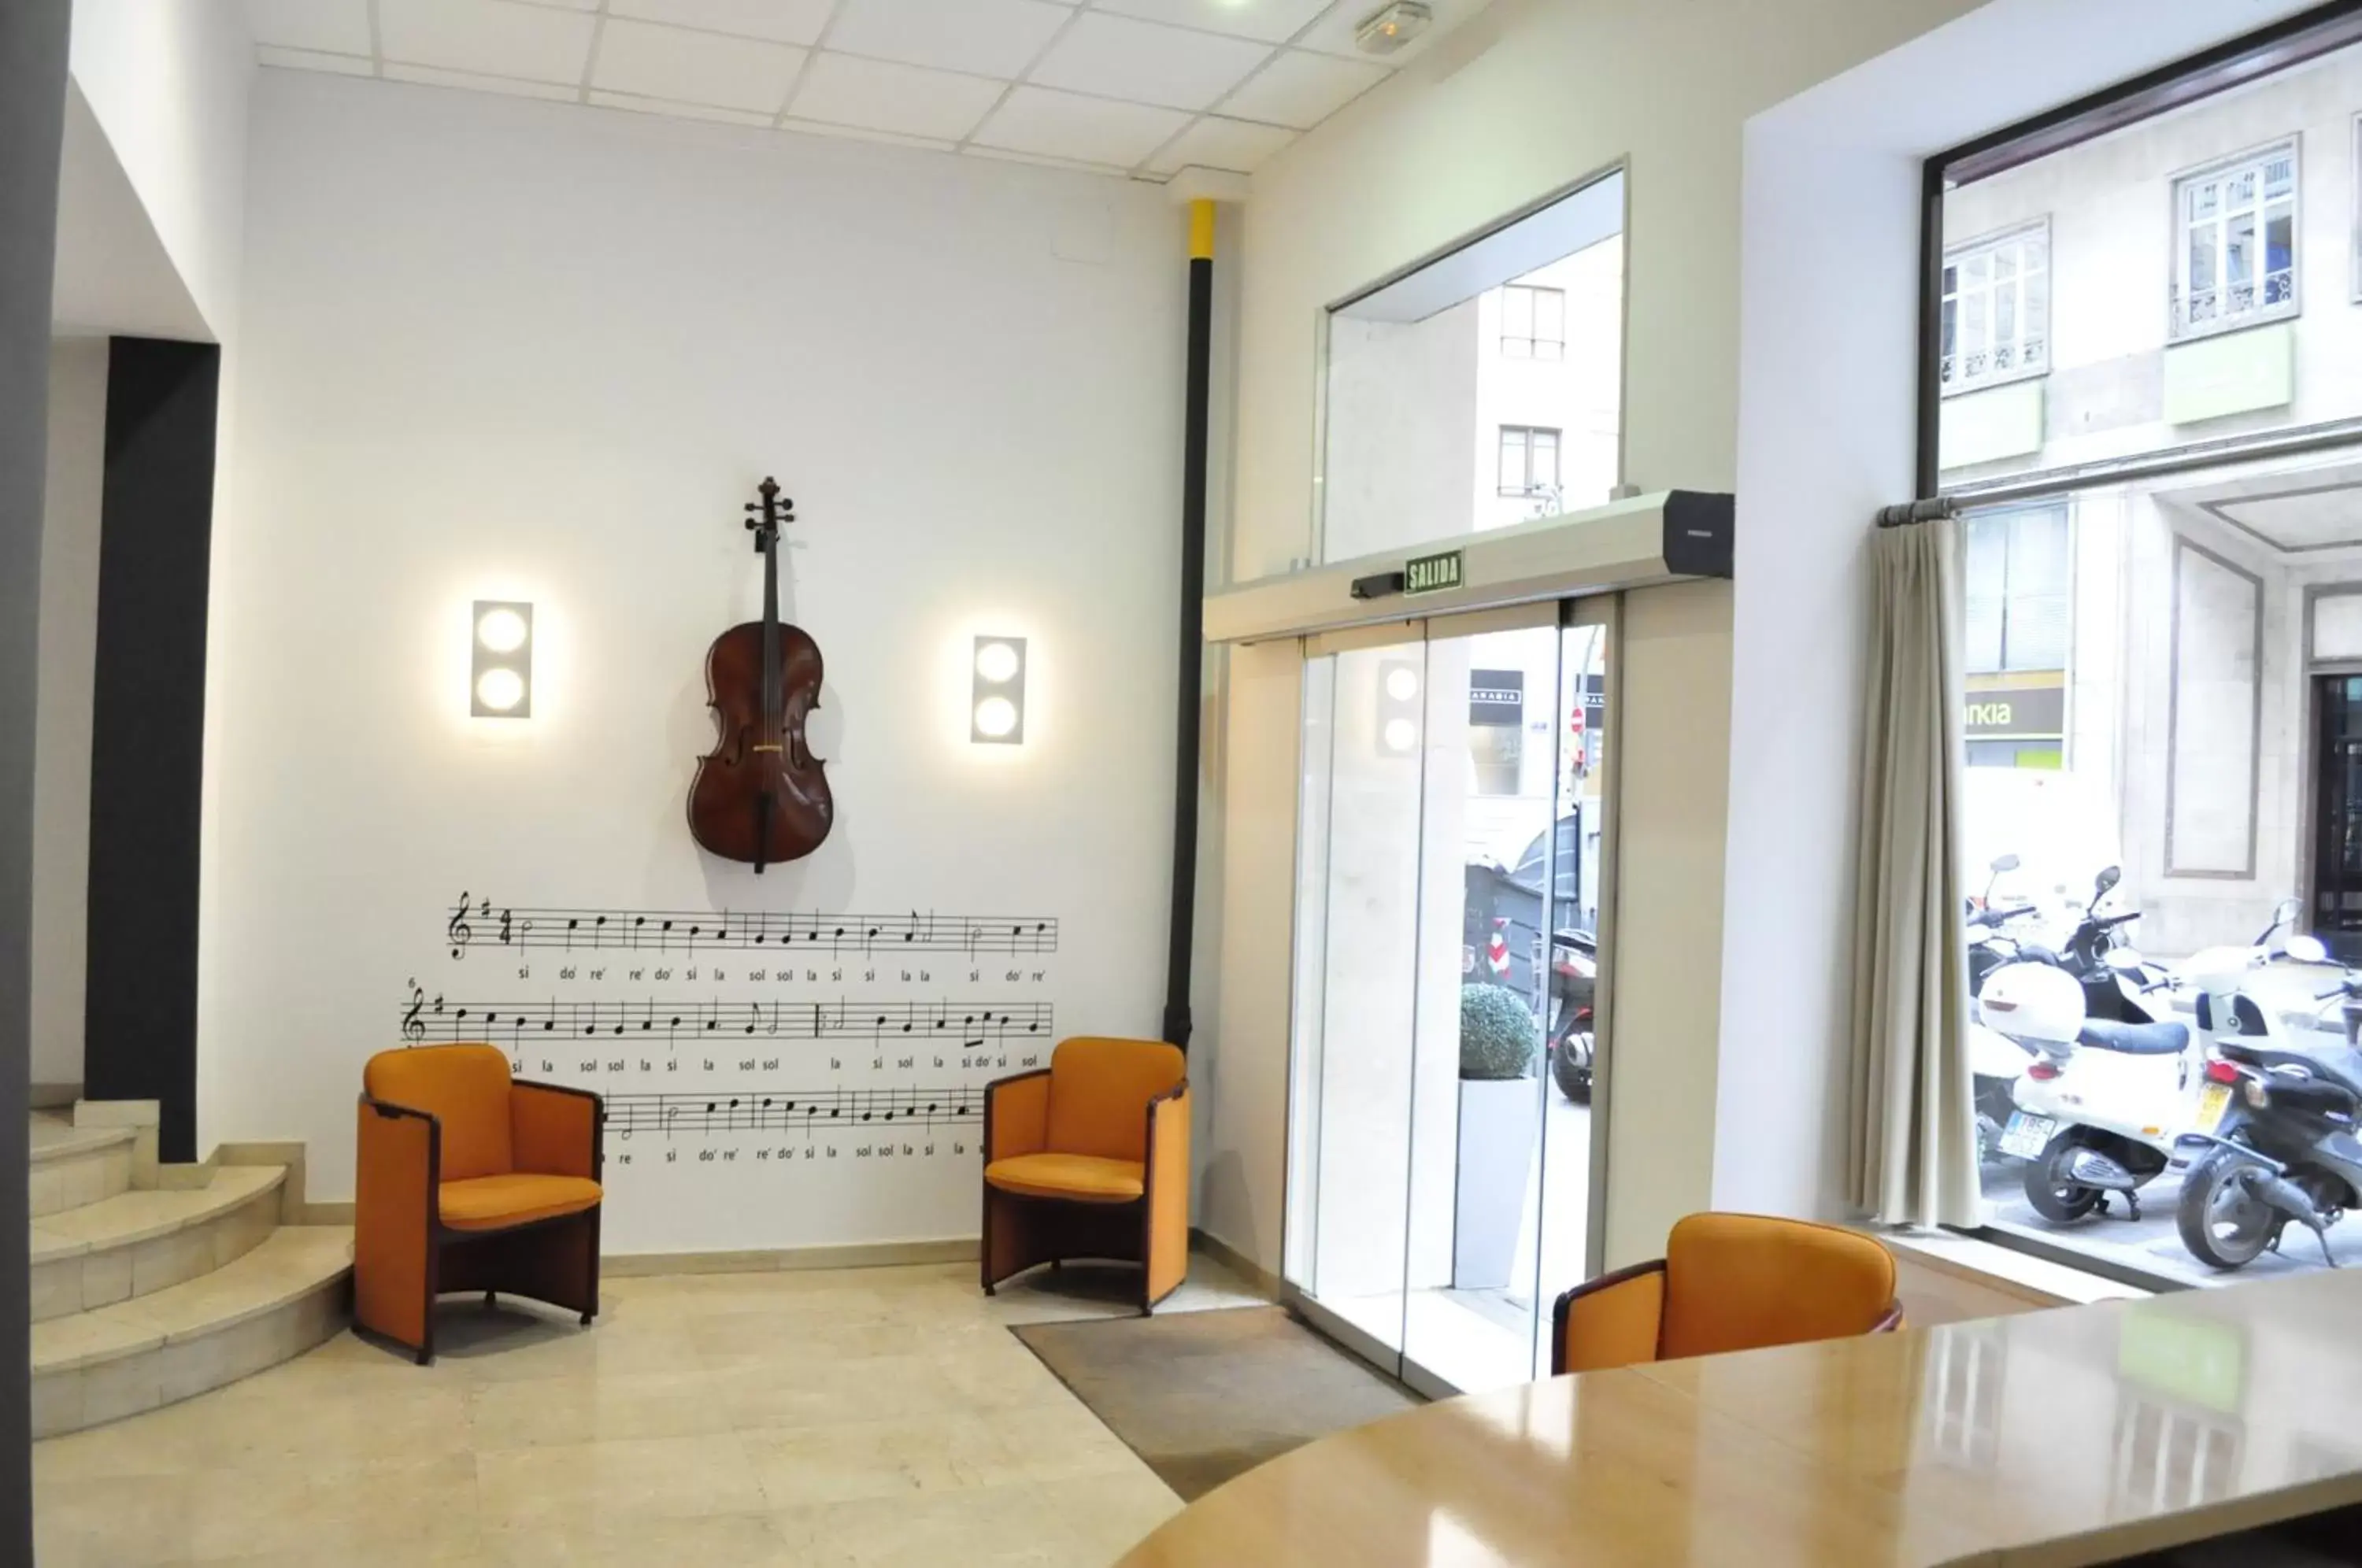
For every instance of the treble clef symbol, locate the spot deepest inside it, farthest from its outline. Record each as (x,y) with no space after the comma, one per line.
(413,1028)
(459,932)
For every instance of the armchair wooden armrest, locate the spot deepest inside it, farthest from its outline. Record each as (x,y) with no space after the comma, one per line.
(1614,1320)
(397,1170)
(1166,1185)
(557,1131)
(1017,1115)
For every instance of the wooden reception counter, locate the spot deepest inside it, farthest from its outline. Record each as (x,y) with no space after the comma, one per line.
(2073,1436)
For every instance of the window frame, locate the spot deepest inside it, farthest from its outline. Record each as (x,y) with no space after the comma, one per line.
(1558,457)
(1990,244)
(2177,328)
(2354,211)
(1531,338)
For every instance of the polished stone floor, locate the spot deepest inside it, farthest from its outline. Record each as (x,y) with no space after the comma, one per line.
(857,1417)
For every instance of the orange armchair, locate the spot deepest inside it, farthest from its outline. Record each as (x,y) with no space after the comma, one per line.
(1729,1281)
(467,1180)
(1089,1157)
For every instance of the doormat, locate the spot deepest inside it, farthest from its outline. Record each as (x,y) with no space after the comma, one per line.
(1202,1397)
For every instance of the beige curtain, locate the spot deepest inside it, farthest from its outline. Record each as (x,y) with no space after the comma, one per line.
(1911,1154)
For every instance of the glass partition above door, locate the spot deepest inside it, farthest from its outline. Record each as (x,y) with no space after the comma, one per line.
(1481,389)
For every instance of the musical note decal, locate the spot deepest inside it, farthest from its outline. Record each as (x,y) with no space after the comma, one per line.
(798,1110)
(483,923)
(878,1025)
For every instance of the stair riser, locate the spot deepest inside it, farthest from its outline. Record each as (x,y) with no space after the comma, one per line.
(70,1181)
(117,1274)
(86,1396)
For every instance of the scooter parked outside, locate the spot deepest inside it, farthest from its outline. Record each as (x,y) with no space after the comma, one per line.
(2274,1136)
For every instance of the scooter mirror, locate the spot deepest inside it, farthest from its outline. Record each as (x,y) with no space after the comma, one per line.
(2107,879)
(2005,863)
(2306,950)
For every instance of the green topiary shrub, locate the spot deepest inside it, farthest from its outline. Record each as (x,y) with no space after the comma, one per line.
(1498,1037)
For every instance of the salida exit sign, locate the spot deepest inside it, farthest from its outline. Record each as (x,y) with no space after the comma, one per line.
(1431,574)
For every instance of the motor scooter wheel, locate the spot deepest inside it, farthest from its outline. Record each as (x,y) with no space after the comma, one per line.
(2052,1196)
(1571,1067)
(2224,1224)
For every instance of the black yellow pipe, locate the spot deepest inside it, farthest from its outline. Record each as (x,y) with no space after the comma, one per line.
(1199,374)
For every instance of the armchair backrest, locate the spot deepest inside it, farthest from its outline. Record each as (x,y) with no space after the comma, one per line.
(1741,1281)
(465,1086)
(1099,1090)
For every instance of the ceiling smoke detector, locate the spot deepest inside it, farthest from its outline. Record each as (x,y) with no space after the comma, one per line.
(1385,30)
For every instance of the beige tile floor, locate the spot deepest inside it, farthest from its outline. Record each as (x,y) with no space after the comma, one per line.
(856,1417)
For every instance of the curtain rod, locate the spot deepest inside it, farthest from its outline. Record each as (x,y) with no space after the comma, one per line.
(1917,512)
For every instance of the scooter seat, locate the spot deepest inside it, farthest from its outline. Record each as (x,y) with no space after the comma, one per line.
(2136,1039)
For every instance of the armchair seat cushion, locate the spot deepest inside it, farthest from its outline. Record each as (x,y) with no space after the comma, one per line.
(1085,1177)
(497,1202)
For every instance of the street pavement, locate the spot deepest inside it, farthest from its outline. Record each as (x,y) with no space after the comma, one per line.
(2152,1244)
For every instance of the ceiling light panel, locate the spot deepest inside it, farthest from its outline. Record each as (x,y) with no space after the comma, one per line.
(1301,89)
(779,21)
(1333,34)
(1269,21)
(1065,125)
(338,26)
(984,37)
(695,68)
(491,38)
(878,94)
(1217,143)
(1119,58)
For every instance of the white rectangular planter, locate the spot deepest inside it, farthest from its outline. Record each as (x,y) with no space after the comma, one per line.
(1500,1119)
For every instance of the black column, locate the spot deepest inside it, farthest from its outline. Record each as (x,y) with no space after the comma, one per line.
(147,754)
(1199,371)
(32,120)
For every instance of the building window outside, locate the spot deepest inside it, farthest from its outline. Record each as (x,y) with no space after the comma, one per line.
(1533,322)
(1529,460)
(1996,309)
(2020,587)
(2235,252)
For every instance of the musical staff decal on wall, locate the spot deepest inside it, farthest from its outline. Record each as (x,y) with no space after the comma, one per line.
(804,1110)
(967,1026)
(485,923)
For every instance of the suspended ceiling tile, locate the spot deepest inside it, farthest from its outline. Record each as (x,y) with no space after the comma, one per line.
(878,94)
(1301,89)
(780,21)
(1217,143)
(695,68)
(1272,21)
(984,37)
(1091,130)
(677,110)
(475,82)
(494,38)
(312,60)
(1119,58)
(336,27)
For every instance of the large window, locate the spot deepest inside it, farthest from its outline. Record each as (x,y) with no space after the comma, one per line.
(1996,309)
(1479,389)
(2019,579)
(2234,227)
(1529,460)
(1533,322)
(2159,639)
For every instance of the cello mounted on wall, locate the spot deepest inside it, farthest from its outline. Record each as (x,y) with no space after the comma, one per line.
(760,795)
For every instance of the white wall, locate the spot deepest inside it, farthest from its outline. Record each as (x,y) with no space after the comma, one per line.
(168,82)
(77,474)
(1523,100)
(494,348)
(1826,406)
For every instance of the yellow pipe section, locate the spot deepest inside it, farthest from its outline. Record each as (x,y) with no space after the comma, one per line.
(1201,230)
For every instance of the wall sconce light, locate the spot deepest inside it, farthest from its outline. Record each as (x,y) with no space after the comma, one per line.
(501,672)
(1399,710)
(996,708)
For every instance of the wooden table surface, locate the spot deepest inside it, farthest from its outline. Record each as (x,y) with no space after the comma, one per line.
(2066,1437)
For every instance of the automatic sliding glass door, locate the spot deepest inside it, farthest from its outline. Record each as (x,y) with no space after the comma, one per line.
(1453,847)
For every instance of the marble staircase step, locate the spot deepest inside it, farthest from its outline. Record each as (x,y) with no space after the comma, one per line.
(70,1167)
(278,1300)
(136,1244)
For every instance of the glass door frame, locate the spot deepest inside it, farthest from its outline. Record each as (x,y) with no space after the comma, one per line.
(1310,922)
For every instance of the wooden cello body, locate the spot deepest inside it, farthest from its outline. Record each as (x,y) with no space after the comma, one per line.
(760,797)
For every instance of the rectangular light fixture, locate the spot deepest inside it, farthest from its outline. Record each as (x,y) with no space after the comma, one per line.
(996,707)
(500,675)
(1387,29)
